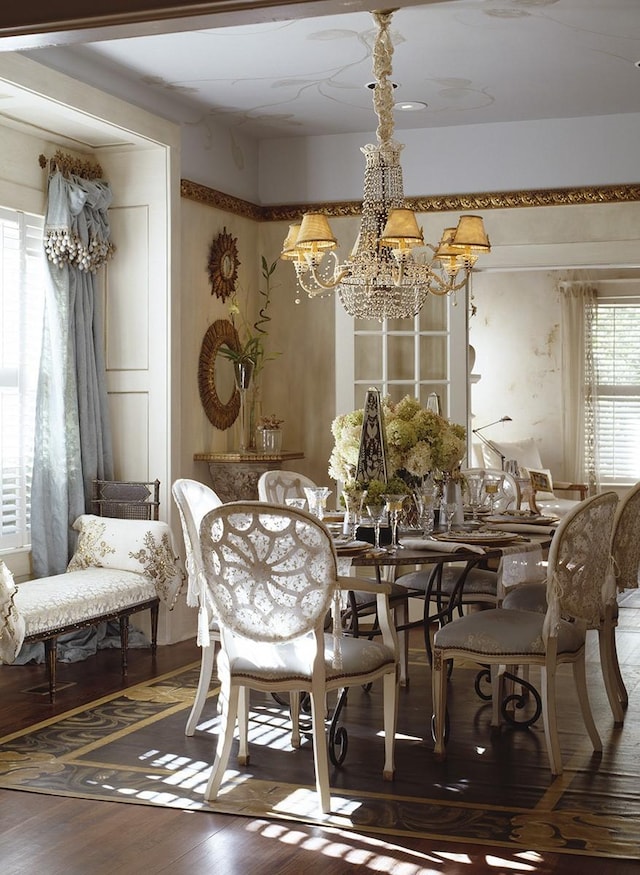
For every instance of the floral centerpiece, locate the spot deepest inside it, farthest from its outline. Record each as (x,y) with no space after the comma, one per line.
(419,442)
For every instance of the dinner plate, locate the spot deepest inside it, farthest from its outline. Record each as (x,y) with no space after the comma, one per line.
(352,548)
(489,539)
(331,517)
(524,517)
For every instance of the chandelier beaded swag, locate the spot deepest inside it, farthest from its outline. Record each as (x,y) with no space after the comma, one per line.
(390,270)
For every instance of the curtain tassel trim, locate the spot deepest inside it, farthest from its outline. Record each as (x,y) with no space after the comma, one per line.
(62,247)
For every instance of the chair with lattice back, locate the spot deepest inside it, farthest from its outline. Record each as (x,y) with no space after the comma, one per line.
(271,573)
(126,499)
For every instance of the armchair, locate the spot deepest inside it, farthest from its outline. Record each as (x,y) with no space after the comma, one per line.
(527,455)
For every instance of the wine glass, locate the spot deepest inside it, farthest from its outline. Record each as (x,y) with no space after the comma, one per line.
(425,499)
(353,508)
(317,499)
(393,504)
(474,489)
(376,514)
(449,504)
(449,509)
(491,488)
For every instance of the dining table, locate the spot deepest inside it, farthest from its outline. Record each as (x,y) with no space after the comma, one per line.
(516,556)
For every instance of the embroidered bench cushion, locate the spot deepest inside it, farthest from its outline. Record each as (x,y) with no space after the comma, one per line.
(66,599)
(142,546)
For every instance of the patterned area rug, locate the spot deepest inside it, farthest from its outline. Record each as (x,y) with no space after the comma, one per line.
(130,747)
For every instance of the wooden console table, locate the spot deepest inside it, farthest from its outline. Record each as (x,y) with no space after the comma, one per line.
(235,475)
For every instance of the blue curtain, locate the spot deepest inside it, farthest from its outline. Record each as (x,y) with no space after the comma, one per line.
(73,437)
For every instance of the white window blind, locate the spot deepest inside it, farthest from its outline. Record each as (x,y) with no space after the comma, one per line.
(616,348)
(21,309)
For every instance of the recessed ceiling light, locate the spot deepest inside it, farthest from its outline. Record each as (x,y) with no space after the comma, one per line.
(410,106)
(637,64)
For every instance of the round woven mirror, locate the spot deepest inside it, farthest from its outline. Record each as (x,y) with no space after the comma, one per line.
(218,392)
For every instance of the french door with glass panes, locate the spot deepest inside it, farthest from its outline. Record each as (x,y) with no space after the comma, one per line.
(417,357)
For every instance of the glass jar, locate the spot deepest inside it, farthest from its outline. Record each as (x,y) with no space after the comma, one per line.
(269,440)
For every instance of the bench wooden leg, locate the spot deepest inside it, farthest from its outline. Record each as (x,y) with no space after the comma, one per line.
(124,643)
(51,655)
(155,610)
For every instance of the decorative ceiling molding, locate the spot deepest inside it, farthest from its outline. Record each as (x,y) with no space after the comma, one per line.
(558,197)
(193,191)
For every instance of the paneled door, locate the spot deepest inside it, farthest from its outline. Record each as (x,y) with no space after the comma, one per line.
(401,357)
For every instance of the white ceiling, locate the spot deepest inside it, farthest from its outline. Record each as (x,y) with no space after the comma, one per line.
(471,62)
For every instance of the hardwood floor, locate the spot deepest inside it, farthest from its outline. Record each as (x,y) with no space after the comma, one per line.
(55,835)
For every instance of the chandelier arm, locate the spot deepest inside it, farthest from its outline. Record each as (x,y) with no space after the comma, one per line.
(304,270)
(451,286)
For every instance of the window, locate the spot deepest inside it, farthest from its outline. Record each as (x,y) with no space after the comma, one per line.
(616,352)
(21,309)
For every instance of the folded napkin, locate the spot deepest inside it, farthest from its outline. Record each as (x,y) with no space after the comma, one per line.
(440,546)
(528,528)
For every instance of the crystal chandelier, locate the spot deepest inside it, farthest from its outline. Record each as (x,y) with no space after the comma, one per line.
(390,270)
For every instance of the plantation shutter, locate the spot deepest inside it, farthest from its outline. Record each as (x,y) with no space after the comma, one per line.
(616,347)
(21,307)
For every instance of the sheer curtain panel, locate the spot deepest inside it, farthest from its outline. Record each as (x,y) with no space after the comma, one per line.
(578,301)
(73,438)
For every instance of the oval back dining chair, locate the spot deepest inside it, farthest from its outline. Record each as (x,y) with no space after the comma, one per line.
(480,584)
(272,576)
(625,552)
(276,486)
(577,565)
(194,500)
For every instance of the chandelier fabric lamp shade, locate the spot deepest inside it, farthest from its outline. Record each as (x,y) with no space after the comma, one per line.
(390,269)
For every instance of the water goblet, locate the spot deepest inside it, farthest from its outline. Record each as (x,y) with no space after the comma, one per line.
(376,514)
(393,504)
(474,489)
(425,499)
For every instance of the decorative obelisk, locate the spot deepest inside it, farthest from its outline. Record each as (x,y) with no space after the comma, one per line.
(372,458)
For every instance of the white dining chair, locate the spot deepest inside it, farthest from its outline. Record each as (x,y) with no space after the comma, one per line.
(194,500)
(480,589)
(272,576)
(276,487)
(577,565)
(623,574)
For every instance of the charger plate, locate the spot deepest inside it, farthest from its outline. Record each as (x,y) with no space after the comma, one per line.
(489,539)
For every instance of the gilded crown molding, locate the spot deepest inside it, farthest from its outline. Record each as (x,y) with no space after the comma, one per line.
(554,197)
(193,191)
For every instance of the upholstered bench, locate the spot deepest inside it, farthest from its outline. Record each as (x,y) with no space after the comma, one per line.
(120,567)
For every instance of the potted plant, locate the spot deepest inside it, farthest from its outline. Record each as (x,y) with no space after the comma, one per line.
(270,434)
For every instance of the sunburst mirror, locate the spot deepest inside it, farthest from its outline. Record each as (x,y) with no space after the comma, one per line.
(223,265)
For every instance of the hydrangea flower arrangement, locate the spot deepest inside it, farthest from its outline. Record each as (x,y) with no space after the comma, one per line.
(418,442)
